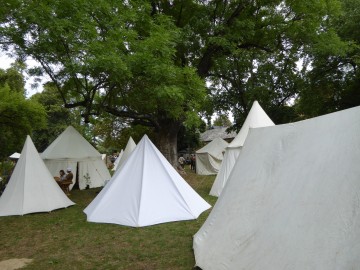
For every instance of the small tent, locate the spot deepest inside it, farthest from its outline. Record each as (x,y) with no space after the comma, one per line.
(130,146)
(256,118)
(15,155)
(292,200)
(146,190)
(209,158)
(70,149)
(31,187)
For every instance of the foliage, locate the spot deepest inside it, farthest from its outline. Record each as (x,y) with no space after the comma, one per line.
(222,120)
(334,78)
(58,117)
(19,116)
(6,169)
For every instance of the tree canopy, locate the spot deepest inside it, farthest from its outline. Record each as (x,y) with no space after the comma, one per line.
(18,116)
(161,64)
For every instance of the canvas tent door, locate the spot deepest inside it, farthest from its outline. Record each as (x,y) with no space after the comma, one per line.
(209,158)
(86,172)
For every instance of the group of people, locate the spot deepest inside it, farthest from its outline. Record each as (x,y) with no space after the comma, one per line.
(68,176)
(192,160)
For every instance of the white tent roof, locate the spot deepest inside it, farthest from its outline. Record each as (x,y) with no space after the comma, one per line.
(291,201)
(257,117)
(215,148)
(31,187)
(15,155)
(209,158)
(130,146)
(70,144)
(146,191)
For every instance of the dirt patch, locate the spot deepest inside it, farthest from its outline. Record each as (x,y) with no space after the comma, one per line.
(13,264)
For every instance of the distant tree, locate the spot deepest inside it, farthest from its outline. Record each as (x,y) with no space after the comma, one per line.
(222,120)
(18,116)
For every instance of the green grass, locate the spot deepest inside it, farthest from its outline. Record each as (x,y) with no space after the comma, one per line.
(63,239)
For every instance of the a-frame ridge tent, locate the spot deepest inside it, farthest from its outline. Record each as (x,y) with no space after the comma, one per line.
(209,157)
(256,117)
(292,200)
(31,187)
(147,190)
(129,148)
(70,149)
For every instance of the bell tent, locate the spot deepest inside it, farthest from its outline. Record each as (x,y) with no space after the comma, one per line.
(70,149)
(209,158)
(147,190)
(31,187)
(130,146)
(256,118)
(291,201)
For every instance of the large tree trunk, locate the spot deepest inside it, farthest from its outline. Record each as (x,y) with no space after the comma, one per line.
(167,139)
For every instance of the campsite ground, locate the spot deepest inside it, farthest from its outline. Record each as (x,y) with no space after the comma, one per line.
(63,239)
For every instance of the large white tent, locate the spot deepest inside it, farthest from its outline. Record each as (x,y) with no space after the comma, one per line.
(291,202)
(256,117)
(129,148)
(31,187)
(146,190)
(70,149)
(209,158)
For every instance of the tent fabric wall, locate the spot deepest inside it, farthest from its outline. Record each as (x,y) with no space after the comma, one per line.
(130,146)
(147,190)
(31,187)
(209,158)
(291,201)
(70,149)
(257,117)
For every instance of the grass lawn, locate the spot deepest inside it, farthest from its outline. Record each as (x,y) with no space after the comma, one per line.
(63,239)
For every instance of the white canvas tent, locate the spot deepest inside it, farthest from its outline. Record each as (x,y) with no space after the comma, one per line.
(209,158)
(291,202)
(70,149)
(147,190)
(256,118)
(15,155)
(31,187)
(129,148)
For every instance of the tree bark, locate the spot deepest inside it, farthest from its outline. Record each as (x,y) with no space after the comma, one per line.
(167,140)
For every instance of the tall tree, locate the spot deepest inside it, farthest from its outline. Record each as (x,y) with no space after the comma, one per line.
(109,56)
(148,60)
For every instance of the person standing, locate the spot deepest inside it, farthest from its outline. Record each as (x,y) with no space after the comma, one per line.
(69,175)
(182,161)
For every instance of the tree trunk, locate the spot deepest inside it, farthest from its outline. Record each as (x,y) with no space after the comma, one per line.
(167,140)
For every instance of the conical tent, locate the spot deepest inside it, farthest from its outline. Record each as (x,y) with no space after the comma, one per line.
(147,190)
(257,117)
(31,187)
(130,146)
(70,149)
(209,158)
(292,200)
